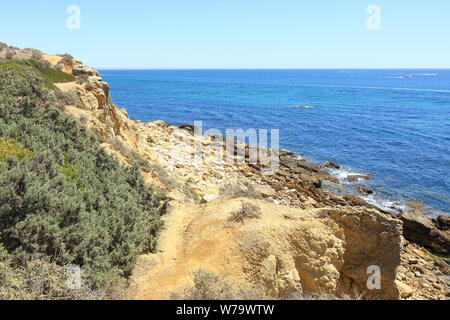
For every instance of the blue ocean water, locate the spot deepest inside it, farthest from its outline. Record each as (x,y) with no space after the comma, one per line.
(394,124)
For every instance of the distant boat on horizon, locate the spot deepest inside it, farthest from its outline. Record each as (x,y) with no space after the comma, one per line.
(410,76)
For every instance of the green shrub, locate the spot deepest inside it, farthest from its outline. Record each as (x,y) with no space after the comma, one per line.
(69,170)
(49,75)
(10,148)
(70,202)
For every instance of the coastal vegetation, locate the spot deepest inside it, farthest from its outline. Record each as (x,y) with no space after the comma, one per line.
(63,199)
(50,76)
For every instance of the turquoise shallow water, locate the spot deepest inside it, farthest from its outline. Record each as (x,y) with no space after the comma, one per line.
(394,124)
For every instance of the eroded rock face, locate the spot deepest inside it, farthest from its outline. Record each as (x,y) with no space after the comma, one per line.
(108,118)
(297,253)
(284,252)
(372,239)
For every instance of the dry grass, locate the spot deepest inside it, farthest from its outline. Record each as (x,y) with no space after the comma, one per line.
(248,211)
(66,59)
(82,78)
(154,169)
(325,296)
(209,286)
(37,55)
(237,191)
(9,55)
(62,99)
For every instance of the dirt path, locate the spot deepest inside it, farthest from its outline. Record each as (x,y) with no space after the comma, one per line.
(194,237)
(164,270)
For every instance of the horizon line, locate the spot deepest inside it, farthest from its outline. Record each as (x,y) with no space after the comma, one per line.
(269,68)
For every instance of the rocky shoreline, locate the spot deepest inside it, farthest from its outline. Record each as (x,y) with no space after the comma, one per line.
(297,178)
(296,186)
(305,239)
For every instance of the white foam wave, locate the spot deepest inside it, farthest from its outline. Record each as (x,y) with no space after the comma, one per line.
(343,173)
(389,205)
(426,74)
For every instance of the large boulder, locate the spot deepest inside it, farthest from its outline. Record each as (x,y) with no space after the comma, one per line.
(442,223)
(372,239)
(364,191)
(358,177)
(331,165)
(425,231)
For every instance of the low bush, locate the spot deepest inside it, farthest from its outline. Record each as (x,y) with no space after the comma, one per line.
(9,55)
(83,78)
(209,286)
(237,191)
(37,55)
(67,59)
(63,199)
(62,99)
(248,211)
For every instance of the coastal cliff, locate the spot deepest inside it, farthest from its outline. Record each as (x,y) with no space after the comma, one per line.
(282,234)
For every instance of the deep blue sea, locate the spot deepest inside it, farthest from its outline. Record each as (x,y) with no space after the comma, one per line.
(394,124)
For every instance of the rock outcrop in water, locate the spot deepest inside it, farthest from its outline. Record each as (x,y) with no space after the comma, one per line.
(304,240)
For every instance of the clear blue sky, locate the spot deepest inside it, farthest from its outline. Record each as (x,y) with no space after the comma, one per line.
(235,33)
